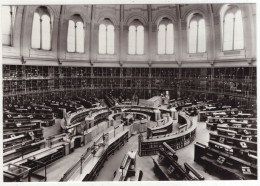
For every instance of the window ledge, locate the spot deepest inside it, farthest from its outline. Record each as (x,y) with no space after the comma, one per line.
(196,56)
(135,57)
(75,52)
(165,57)
(232,54)
(8,49)
(41,53)
(106,56)
(75,55)
(7,46)
(165,54)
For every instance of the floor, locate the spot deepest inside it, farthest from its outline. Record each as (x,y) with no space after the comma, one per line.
(142,163)
(52,130)
(186,154)
(56,170)
(145,163)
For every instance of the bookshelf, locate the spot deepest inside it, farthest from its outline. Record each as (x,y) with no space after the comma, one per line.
(240,143)
(166,166)
(232,150)
(148,147)
(113,146)
(233,123)
(228,166)
(24,82)
(164,128)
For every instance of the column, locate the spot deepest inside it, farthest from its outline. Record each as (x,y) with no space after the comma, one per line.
(211,50)
(91,50)
(179,48)
(150,34)
(121,36)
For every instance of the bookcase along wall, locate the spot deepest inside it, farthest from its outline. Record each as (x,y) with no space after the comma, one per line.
(22,83)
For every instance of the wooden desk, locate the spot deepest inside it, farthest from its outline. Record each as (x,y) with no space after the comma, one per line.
(192,128)
(21,160)
(90,121)
(162,129)
(163,171)
(73,116)
(121,173)
(176,140)
(126,167)
(92,166)
(46,153)
(233,141)
(14,138)
(226,172)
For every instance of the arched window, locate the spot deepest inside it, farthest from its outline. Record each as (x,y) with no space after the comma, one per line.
(131,40)
(140,40)
(136,38)
(76,36)
(233,33)
(41,29)
(71,41)
(8,18)
(106,42)
(165,37)
(197,34)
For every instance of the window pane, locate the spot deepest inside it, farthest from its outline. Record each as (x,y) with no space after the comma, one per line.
(239,31)
(102,39)
(193,37)
(71,37)
(140,40)
(228,32)
(110,39)
(36,31)
(46,32)
(202,36)
(170,39)
(80,37)
(13,14)
(161,39)
(131,40)
(7,22)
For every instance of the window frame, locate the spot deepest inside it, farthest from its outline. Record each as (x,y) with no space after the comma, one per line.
(165,21)
(13,10)
(106,22)
(75,19)
(197,17)
(41,11)
(136,23)
(231,10)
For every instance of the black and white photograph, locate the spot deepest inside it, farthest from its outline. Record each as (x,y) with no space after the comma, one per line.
(100,91)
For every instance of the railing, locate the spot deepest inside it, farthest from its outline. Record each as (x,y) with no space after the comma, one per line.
(77,165)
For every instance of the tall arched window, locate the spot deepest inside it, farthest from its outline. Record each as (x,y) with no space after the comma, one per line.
(41,29)
(233,33)
(132,40)
(136,38)
(197,34)
(76,36)
(106,41)
(165,37)
(8,18)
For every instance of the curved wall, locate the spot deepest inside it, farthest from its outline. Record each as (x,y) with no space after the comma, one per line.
(121,16)
(148,147)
